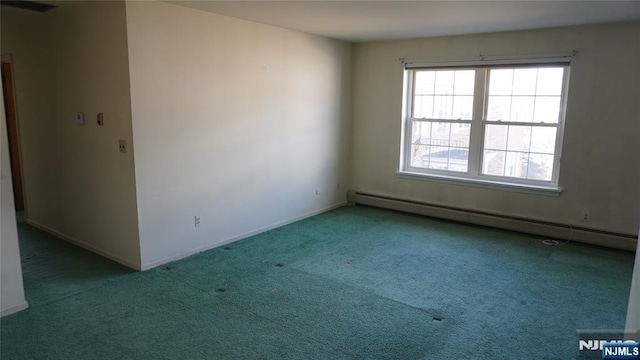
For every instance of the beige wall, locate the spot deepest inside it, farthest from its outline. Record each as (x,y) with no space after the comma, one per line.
(77,185)
(236,122)
(11,289)
(233,121)
(26,37)
(599,172)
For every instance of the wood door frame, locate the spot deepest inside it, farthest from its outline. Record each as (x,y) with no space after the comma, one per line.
(13,132)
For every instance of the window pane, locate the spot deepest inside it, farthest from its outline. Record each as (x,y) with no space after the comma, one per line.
(444,82)
(424,82)
(543,139)
(495,137)
(522,108)
(463,107)
(440,134)
(438,158)
(549,81)
(458,159)
(525,94)
(540,167)
(443,107)
(524,81)
(516,164)
(493,162)
(464,82)
(519,138)
(547,109)
(444,94)
(423,106)
(421,135)
(529,152)
(499,108)
(419,156)
(448,158)
(450,135)
(500,81)
(460,134)
(421,132)
(442,146)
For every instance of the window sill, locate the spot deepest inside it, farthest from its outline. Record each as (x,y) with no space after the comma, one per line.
(481,183)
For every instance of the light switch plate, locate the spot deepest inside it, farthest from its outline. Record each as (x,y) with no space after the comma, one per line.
(80,118)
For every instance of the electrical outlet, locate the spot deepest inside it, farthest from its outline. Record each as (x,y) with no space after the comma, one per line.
(122,145)
(197,221)
(586,216)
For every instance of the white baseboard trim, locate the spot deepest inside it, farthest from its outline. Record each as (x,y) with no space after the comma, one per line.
(84,245)
(14,308)
(501,221)
(176,257)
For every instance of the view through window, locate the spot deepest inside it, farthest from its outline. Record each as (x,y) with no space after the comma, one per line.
(492,123)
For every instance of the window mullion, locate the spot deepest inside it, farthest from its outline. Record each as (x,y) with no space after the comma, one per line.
(441,121)
(522,123)
(477,123)
(408,94)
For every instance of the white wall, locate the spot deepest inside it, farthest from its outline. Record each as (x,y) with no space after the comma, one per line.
(77,185)
(233,121)
(599,171)
(11,289)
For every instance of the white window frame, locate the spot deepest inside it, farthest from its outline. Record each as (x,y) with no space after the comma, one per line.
(474,176)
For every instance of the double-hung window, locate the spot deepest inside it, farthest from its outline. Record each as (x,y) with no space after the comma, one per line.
(489,124)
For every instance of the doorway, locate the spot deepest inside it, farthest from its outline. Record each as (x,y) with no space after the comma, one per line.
(12,132)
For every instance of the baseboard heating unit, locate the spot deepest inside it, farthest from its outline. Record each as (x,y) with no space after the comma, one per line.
(536,227)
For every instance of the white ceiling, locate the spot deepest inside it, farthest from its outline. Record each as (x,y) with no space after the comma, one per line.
(364,20)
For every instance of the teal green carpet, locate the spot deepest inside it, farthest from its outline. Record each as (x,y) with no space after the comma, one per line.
(353,283)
